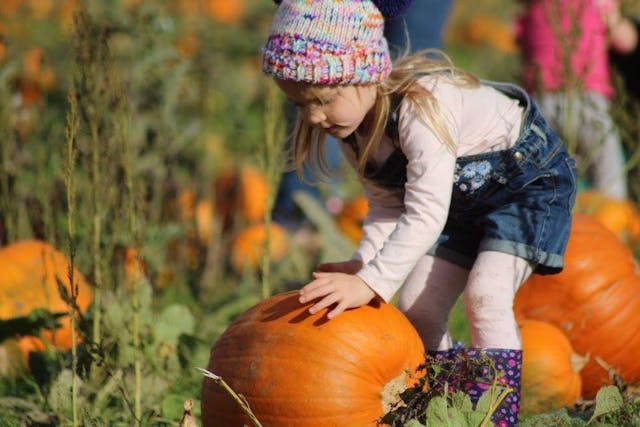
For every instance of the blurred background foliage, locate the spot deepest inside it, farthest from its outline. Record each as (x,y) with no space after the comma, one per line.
(137,137)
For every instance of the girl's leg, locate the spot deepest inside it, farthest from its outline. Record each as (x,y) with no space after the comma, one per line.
(491,288)
(427,297)
(488,299)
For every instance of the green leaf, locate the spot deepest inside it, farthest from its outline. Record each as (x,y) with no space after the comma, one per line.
(413,423)
(437,412)
(608,399)
(174,321)
(462,401)
(559,418)
(457,418)
(484,403)
(31,324)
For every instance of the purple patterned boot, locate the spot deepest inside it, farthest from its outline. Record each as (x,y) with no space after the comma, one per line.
(443,369)
(484,366)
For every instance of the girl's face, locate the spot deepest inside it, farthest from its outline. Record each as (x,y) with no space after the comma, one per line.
(338,110)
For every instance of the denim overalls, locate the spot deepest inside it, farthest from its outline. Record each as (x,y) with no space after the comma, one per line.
(516,201)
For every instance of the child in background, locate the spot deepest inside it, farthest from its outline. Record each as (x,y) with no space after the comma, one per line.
(564,44)
(469,190)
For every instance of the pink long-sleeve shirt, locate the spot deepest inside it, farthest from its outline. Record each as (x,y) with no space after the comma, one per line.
(555,33)
(402,225)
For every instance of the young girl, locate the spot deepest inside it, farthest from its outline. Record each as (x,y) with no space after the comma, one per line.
(468,188)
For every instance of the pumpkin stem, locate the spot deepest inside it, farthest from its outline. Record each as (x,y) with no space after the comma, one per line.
(390,394)
(578,362)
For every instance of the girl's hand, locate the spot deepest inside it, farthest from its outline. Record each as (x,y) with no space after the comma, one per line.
(343,290)
(347,267)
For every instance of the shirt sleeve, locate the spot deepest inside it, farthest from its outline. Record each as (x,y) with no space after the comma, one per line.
(426,201)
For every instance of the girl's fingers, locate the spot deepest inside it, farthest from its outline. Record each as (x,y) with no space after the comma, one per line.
(316,289)
(339,309)
(320,274)
(323,303)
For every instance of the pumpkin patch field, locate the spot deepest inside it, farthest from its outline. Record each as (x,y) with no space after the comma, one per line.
(144,280)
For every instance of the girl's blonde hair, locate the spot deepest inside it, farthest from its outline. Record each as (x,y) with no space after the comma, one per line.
(308,140)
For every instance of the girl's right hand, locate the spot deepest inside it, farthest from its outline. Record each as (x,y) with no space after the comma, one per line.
(347,267)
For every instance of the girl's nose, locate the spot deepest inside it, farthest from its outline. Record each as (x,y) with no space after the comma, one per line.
(315,114)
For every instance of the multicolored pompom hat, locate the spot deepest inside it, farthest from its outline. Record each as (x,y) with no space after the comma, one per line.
(327,42)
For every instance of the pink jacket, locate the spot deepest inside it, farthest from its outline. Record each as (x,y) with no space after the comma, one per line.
(552,32)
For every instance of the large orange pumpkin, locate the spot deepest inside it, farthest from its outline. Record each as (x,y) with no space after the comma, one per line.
(29,271)
(550,368)
(296,369)
(595,300)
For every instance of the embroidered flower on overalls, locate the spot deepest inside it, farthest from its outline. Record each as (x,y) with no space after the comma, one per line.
(472,176)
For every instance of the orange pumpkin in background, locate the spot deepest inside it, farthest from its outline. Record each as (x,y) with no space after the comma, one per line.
(241,192)
(297,369)
(247,248)
(595,300)
(8,8)
(29,272)
(619,216)
(225,11)
(40,8)
(351,217)
(550,368)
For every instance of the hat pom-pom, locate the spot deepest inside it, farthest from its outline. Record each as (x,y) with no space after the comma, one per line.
(388,8)
(392,8)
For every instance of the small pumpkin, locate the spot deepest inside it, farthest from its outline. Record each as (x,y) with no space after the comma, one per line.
(247,248)
(225,11)
(595,300)
(241,191)
(550,368)
(29,272)
(619,216)
(351,217)
(483,29)
(297,369)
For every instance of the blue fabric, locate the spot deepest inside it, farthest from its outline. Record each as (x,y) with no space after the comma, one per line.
(424,23)
(516,201)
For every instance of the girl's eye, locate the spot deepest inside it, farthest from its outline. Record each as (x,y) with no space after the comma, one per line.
(328,100)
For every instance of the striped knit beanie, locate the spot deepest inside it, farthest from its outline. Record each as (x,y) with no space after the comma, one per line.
(327,42)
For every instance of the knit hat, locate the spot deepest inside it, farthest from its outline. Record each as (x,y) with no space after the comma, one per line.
(327,42)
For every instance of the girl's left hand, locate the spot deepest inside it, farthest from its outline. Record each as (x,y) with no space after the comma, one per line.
(344,290)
